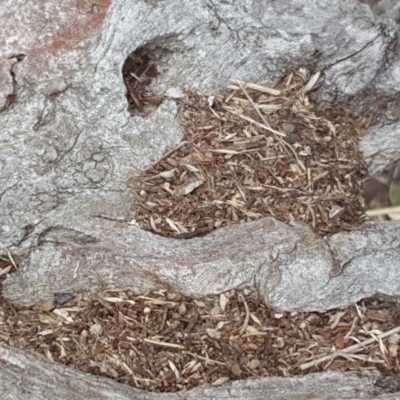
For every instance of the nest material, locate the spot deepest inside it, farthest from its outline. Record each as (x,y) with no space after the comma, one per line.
(253,153)
(165,342)
(138,72)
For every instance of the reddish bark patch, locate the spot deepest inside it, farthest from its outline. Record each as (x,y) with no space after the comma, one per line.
(55,25)
(46,29)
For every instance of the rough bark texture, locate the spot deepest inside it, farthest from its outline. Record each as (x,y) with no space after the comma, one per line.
(290,266)
(69,148)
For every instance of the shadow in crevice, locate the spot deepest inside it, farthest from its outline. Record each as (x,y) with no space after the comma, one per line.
(11,98)
(382,194)
(140,71)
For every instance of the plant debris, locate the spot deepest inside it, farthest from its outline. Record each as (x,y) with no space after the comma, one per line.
(255,152)
(252,153)
(138,72)
(166,342)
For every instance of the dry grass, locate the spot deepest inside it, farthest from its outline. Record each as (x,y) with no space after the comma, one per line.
(166,342)
(256,152)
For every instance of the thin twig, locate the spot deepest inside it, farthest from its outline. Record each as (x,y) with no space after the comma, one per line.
(204,358)
(5,270)
(164,344)
(383,211)
(12,260)
(338,316)
(253,86)
(166,155)
(253,121)
(351,329)
(348,350)
(247,317)
(253,105)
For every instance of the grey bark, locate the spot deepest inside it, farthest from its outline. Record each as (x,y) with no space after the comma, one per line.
(289,265)
(69,148)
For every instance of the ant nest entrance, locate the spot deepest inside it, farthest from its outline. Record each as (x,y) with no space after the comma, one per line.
(257,152)
(382,195)
(143,70)
(138,72)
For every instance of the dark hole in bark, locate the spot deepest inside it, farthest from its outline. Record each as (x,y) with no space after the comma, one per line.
(382,194)
(12,98)
(142,73)
(138,72)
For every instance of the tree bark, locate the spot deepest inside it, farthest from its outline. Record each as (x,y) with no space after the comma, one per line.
(70,147)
